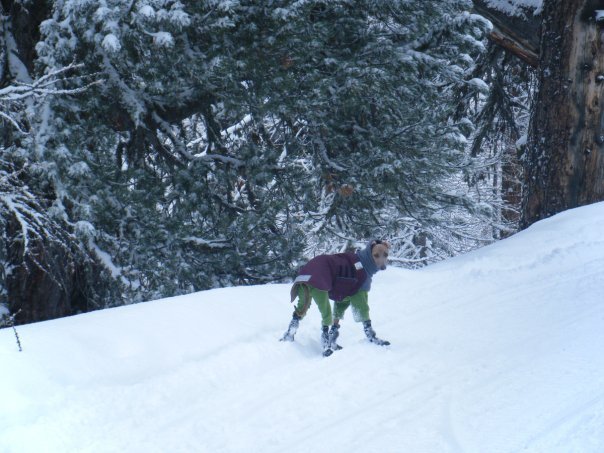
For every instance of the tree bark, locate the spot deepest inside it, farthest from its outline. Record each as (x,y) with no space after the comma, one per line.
(564,165)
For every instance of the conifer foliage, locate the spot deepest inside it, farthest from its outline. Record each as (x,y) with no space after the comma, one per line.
(212,142)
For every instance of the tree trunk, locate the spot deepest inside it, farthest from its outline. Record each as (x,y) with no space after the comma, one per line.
(564,165)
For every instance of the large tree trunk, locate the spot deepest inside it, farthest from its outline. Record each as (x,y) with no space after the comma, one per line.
(564,165)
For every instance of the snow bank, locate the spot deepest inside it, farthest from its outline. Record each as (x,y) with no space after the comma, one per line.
(499,350)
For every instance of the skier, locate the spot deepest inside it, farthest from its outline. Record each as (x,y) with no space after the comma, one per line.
(346,279)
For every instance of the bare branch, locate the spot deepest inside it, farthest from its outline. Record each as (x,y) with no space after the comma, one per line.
(12,96)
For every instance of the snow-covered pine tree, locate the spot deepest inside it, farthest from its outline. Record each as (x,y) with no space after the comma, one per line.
(378,91)
(158,181)
(46,271)
(225,134)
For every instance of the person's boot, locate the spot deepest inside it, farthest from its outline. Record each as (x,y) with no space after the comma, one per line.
(293,327)
(327,351)
(334,333)
(371,334)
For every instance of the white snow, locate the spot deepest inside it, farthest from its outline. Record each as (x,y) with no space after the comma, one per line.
(17,69)
(499,350)
(111,43)
(146,11)
(107,262)
(78,169)
(162,39)
(479,84)
(523,140)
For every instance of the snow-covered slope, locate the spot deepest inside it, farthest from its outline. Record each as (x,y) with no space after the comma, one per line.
(500,350)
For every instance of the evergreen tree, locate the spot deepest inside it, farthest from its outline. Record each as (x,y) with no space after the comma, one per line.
(226,137)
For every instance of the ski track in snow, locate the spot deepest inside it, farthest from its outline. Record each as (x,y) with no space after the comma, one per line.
(499,350)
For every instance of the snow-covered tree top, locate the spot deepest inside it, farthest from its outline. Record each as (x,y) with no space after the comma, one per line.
(516,7)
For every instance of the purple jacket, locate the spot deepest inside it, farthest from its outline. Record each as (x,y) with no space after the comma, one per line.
(341,275)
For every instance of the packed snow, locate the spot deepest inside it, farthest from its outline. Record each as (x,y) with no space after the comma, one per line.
(499,350)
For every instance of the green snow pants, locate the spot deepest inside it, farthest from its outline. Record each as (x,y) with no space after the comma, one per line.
(359,302)
(360,306)
(321,298)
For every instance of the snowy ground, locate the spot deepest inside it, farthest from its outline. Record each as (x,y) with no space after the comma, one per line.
(500,350)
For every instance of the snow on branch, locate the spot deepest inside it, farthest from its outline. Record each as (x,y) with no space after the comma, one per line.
(33,224)
(206,243)
(13,96)
(516,7)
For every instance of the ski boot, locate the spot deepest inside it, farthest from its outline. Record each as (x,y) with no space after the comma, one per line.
(293,327)
(327,351)
(334,332)
(371,334)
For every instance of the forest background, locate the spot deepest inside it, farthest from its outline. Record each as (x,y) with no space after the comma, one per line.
(151,148)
